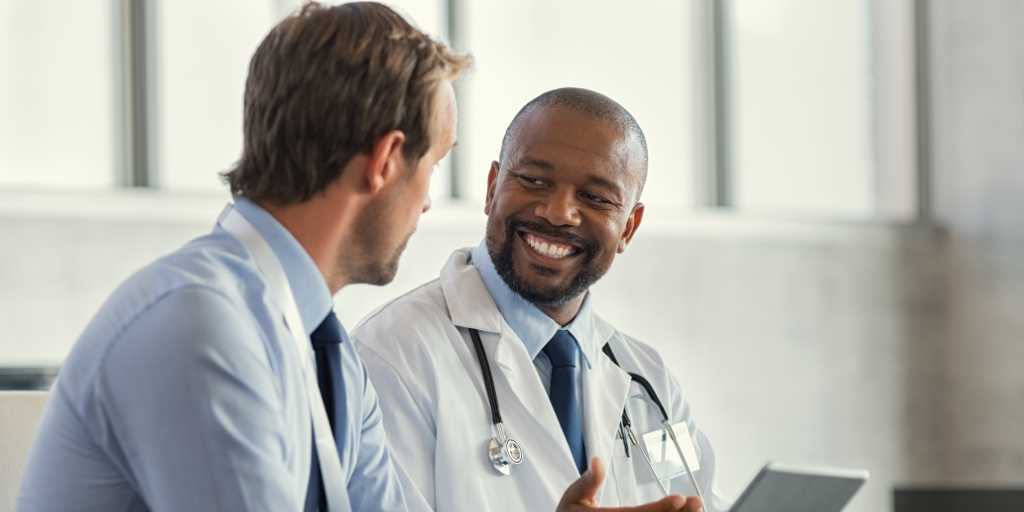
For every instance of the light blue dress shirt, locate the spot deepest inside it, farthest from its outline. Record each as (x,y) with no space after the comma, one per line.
(534,327)
(185,393)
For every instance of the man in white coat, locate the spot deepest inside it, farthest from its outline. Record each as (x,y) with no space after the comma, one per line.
(561,203)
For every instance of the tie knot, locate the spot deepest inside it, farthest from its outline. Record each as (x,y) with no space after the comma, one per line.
(329,332)
(561,350)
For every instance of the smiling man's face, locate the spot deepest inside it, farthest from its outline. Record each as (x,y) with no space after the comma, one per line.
(561,204)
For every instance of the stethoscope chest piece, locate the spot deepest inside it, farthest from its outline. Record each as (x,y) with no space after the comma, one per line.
(504,455)
(502,451)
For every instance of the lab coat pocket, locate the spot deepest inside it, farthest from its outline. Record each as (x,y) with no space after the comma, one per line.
(622,478)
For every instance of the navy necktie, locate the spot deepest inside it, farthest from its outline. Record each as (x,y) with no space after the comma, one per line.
(561,351)
(326,339)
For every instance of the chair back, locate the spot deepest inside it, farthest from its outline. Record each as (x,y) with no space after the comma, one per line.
(19,415)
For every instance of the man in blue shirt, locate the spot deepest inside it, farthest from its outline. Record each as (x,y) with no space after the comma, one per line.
(185,392)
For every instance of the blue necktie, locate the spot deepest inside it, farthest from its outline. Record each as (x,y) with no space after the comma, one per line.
(326,339)
(561,351)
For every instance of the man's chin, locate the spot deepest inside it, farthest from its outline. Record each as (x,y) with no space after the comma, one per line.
(546,294)
(379,273)
(384,271)
(380,278)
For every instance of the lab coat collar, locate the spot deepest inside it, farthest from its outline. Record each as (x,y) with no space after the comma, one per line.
(469,303)
(603,331)
(531,325)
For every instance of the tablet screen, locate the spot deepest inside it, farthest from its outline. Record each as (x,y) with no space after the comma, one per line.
(783,488)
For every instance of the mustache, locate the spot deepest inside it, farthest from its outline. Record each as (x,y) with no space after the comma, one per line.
(564,234)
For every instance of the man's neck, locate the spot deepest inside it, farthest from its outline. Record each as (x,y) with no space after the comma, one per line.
(565,313)
(311,225)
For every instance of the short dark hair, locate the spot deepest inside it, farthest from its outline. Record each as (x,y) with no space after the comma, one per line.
(324,86)
(592,104)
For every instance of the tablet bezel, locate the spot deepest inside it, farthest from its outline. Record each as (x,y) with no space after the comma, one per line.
(860,475)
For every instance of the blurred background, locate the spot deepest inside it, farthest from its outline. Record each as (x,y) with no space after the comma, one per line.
(832,258)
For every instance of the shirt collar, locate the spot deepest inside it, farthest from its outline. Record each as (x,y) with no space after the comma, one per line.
(531,325)
(312,296)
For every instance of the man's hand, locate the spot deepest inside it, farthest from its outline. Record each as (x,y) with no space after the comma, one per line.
(580,496)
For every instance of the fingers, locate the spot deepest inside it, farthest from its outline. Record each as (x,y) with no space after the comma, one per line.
(581,495)
(694,504)
(584,489)
(674,503)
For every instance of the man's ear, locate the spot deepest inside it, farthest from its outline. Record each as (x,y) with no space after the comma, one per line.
(492,180)
(632,224)
(385,161)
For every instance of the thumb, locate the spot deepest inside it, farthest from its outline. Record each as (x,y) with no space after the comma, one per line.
(583,490)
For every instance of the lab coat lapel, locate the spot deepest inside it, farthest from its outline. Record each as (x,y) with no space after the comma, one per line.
(605,389)
(535,425)
(469,303)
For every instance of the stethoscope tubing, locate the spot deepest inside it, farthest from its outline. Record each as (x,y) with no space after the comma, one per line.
(666,422)
(485,368)
(625,424)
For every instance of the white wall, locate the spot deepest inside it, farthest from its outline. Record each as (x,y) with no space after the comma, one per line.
(968,380)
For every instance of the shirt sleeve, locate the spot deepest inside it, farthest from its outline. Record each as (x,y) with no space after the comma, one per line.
(374,485)
(189,399)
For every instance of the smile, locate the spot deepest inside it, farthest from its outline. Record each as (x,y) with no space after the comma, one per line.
(549,248)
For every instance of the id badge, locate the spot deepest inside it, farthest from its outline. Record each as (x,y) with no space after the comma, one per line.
(663,453)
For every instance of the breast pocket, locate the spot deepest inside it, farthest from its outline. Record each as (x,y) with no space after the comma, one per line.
(621,483)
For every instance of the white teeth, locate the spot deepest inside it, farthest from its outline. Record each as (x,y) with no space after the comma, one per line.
(551,251)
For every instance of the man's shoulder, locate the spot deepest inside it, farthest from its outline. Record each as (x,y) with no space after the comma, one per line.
(215,264)
(216,261)
(639,351)
(423,304)
(209,276)
(414,331)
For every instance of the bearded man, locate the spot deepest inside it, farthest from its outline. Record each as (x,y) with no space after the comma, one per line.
(562,202)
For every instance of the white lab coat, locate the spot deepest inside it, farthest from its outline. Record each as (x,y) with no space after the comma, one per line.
(422,363)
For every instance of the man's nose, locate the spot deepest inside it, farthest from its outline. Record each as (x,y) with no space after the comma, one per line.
(560,208)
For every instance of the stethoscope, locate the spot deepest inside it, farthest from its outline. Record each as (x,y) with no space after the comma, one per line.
(505,452)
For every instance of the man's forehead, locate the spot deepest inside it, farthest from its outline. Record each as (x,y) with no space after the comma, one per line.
(565,126)
(549,129)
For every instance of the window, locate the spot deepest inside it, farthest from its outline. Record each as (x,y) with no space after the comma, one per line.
(638,53)
(806,108)
(57,95)
(801,96)
(203,53)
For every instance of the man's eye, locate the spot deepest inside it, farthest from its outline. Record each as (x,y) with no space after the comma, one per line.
(532,181)
(592,197)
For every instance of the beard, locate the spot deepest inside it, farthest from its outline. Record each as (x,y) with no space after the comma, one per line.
(504,263)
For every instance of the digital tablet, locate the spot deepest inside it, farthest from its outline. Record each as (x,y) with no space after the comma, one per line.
(786,488)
